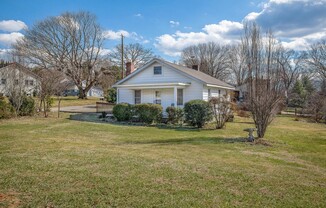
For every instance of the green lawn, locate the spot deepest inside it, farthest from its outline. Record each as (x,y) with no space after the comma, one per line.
(73,101)
(64,163)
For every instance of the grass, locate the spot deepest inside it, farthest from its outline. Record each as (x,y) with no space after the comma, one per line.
(64,163)
(72,101)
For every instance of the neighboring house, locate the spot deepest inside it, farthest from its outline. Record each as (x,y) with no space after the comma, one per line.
(242,91)
(168,84)
(17,76)
(95,91)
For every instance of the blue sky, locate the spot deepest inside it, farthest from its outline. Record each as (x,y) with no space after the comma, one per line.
(168,26)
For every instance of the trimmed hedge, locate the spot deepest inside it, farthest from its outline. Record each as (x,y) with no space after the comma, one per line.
(123,111)
(175,115)
(148,112)
(197,113)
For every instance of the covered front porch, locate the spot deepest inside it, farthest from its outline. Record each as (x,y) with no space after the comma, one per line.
(165,94)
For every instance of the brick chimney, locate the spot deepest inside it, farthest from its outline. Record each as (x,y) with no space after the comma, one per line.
(129,68)
(195,67)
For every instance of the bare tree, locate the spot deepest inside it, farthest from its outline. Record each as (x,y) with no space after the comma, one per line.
(70,43)
(221,108)
(317,58)
(237,64)
(108,77)
(211,58)
(133,52)
(265,89)
(290,63)
(51,83)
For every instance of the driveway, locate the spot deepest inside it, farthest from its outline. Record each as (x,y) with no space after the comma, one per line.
(76,109)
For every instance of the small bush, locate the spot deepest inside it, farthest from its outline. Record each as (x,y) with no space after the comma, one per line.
(197,113)
(112,95)
(28,107)
(243,113)
(6,109)
(149,113)
(123,112)
(175,115)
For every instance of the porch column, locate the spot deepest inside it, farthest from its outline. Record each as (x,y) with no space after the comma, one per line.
(175,94)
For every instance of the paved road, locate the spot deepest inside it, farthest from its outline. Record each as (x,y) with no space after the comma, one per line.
(76,109)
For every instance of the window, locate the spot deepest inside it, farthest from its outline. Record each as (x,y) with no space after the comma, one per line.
(3,81)
(157,97)
(219,93)
(26,82)
(180,97)
(31,82)
(16,82)
(209,93)
(137,96)
(157,70)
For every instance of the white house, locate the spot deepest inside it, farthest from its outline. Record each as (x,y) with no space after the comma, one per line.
(168,84)
(17,76)
(95,91)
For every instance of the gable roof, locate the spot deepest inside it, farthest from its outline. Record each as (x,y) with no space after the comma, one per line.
(20,68)
(194,74)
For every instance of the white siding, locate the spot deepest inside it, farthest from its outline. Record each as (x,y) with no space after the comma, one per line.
(193,92)
(169,75)
(214,92)
(126,96)
(10,75)
(147,76)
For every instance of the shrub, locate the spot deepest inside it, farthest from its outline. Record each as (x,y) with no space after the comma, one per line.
(175,115)
(148,113)
(6,109)
(28,106)
(221,109)
(123,112)
(197,112)
(112,95)
(245,114)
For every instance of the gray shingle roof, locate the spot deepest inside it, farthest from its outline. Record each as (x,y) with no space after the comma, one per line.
(199,75)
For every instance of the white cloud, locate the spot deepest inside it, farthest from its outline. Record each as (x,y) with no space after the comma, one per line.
(104,51)
(251,16)
(11,38)
(174,23)
(12,25)
(297,23)
(5,53)
(138,15)
(224,26)
(224,32)
(114,35)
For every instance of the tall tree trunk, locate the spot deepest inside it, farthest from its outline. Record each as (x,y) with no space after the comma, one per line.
(82,93)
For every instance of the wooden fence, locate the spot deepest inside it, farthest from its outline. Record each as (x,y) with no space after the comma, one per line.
(104,107)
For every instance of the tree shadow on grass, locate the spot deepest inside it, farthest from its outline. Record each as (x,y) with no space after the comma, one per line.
(196,140)
(244,122)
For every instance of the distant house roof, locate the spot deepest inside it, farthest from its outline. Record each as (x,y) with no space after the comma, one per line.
(21,68)
(198,75)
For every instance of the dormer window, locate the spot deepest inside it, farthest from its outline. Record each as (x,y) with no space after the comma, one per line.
(157,70)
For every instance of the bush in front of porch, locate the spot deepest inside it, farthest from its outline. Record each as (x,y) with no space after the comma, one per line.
(198,112)
(145,112)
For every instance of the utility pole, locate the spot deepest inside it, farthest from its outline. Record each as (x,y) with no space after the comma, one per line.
(122,64)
